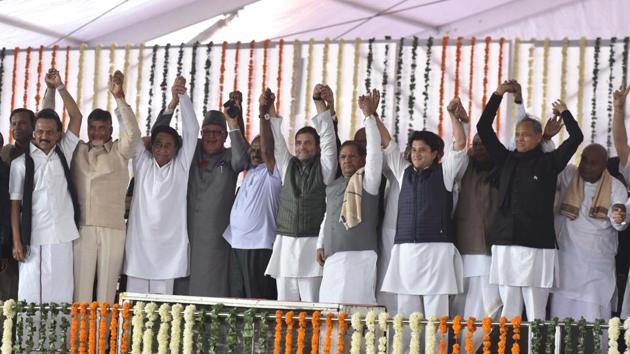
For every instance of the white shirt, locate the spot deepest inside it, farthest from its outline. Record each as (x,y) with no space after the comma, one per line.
(52,212)
(295,256)
(587,246)
(157,236)
(253,217)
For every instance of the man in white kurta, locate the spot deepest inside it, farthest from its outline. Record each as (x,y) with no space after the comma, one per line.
(348,238)
(588,239)
(157,240)
(46,272)
(426,285)
(293,264)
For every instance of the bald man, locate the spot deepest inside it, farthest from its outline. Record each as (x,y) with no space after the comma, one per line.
(592,211)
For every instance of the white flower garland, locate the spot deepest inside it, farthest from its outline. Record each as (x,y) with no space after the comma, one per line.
(416,329)
(176,329)
(8,310)
(137,323)
(370,335)
(189,321)
(382,325)
(147,338)
(357,328)
(626,335)
(613,335)
(430,336)
(165,317)
(398,334)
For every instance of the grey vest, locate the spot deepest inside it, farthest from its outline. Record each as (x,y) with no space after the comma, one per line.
(359,238)
(302,199)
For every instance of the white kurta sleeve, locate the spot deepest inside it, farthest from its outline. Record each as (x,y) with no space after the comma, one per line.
(322,235)
(129,131)
(280,149)
(190,131)
(324,126)
(374,158)
(395,160)
(453,166)
(619,195)
(16,178)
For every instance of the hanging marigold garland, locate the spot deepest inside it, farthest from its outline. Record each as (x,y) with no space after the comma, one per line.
(530,72)
(265,64)
(297,50)
(487,328)
(594,84)
(279,76)
(563,75)
(126,324)
(16,51)
(342,331)
(458,60)
(325,60)
(411,101)
(516,74)
(611,77)
(112,64)
(550,342)
(516,334)
(398,91)
(38,84)
(237,50)
(139,81)
(500,80)
(457,328)
(27,65)
(580,87)
(222,73)
(113,330)
(53,56)
(151,85)
(624,61)
(277,339)
(126,58)
(83,330)
(471,73)
(64,115)
(206,84)
(339,89)
(2,55)
(74,326)
(180,66)
(80,74)
(97,68)
(470,326)
(316,330)
(102,328)
(309,78)
(545,79)
(164,84)
(443,334)
(288,340)
(384,81)
(250,86)
(193,70)
(442,76)
(368,70)
(92,328)
(486,58)
(328,337)
(301,332)
(502,335)
(355,86)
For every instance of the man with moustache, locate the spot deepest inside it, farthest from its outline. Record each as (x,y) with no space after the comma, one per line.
(44,206)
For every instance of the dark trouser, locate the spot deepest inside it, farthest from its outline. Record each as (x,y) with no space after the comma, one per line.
(9,281)
(248,273)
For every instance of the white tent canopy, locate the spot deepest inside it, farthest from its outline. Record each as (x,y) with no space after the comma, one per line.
(70,22)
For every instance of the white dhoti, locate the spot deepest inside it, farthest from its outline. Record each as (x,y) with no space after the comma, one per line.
(295,268)
(150,286)
(386,244)
(349,278)
(525,276)
(47,274)
(625,307)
